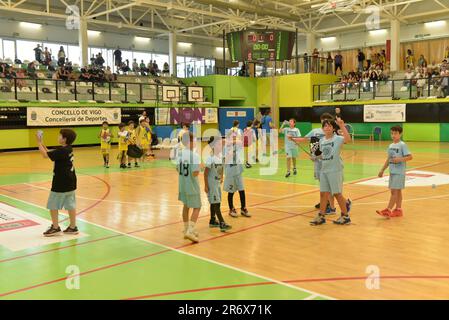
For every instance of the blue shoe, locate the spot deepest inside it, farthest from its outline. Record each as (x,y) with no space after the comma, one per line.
(348,205)
(330,211)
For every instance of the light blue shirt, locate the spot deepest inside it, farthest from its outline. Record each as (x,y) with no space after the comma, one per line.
(330,159)
(397,150)
(215,166)
(294,132)
(233,160)
(188,162)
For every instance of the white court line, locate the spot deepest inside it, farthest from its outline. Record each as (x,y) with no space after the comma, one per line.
(312,293)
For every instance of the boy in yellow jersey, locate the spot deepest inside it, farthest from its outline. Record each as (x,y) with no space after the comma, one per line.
(143,134)
(105,136)
(132,140)
(122,145)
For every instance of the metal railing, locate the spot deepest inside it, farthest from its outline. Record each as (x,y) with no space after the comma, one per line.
(28,89)
(435,87)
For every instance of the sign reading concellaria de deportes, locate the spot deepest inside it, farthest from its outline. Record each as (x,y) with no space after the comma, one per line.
(72,116)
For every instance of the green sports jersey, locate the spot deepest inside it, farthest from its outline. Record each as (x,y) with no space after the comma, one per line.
(188,162)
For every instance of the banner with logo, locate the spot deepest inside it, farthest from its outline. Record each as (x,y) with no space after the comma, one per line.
(72,116)
(170,116)
(384,113)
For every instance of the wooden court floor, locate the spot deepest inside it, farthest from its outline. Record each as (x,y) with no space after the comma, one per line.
(274,255)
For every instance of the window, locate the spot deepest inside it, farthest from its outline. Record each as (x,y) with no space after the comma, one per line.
(180,67)
(9,49)
(127,55)
(25,50)
(74,55)
(160,60)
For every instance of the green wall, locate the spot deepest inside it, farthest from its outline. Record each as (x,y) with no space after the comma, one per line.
(444,132)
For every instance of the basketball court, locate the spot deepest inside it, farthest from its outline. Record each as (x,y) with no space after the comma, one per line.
(131,245)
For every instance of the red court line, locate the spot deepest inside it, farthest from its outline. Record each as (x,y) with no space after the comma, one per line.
(315,280)
(212,238)
(163,251)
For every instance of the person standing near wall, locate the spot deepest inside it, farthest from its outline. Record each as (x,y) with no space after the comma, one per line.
(338,62)
(369,57)
(360,60)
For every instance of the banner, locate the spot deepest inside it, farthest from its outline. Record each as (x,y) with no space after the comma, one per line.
(170,116)
(384,113)
(72,116)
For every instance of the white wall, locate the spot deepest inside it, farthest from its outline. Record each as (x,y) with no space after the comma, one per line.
(356,39)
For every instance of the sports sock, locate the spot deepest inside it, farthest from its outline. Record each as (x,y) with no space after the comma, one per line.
(231,200)
(242,198)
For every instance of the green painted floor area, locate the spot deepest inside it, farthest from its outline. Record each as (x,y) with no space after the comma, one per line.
(116,266)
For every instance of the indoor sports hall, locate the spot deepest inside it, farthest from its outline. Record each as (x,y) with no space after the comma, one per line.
(339,112)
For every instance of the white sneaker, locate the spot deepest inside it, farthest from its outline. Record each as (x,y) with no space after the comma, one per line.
(233,213)
(191,236)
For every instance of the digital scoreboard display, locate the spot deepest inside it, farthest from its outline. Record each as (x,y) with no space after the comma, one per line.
(257,45)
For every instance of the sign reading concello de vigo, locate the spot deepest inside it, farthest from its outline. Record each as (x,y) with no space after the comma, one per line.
(72,116)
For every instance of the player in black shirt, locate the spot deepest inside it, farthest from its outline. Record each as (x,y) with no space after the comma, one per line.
(62,195)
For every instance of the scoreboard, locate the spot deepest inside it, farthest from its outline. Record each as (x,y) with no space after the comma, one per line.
(257,45)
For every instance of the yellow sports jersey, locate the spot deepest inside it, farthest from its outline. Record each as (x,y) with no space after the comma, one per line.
(105,137)
(132,136)
(144,136)
(123,141)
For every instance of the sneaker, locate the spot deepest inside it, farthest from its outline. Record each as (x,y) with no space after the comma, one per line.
(225,227)
(384,213)
(233,213)
(107,166)
(318,205)
(257,160)
(330,211)
(191,236)
(136,165)
(288,174)
(214,224)
(129,165)
(52,231)
(319,220)
(396,213)
(295,172)
(344,219)
(247,165)
(71,230)
(244,212)
(123,166)
(348,205)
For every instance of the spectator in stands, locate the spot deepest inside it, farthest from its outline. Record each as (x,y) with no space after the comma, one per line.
(445,82)
(143,68)
(108,74)
(166,69)
(47,57)
(329,63)
(338,62)
(306,62)
(99,61)
(68,65)
(118,58)
(338,114)
(53,64)
(243,71)
(408,76)
(38,53)
(20,75)
(31,70)
(156,67)
(369,56)
(315,60)
(135,67)
(409,59)
(422,62)
(61,56)
(360,60)
(85,75)
(420,83)
(93,60)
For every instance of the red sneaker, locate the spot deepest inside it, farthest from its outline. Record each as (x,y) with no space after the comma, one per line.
(384,213)
(396,213)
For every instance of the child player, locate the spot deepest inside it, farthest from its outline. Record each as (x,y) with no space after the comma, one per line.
(132,140)
(143,137)
(62,195)
(331,175)
(398,155)
(105,136)
(249,142)
(314,138)
(291,148)
(233,171)
(188,167)
(122,145)
(213,177)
